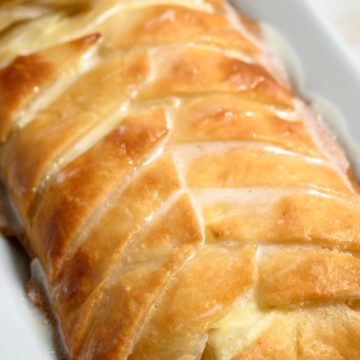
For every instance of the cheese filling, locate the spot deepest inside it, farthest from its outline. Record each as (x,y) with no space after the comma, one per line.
(239,328)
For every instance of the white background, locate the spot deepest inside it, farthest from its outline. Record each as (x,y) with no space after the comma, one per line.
(344,17)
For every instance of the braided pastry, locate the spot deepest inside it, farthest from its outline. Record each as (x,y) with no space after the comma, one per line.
(181,199)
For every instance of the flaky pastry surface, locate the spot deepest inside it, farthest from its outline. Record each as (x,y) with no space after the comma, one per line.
(182,200)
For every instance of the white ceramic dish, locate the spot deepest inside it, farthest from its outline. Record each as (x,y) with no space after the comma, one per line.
(321,65)
(324,70)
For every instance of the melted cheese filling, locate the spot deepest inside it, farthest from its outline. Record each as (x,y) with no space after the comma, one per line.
(239,328)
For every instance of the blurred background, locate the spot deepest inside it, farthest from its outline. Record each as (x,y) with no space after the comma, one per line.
(344,18)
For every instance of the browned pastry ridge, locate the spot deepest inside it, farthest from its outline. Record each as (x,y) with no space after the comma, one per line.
(181,200)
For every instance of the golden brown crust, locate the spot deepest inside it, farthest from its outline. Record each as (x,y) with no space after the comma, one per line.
(171,24)
(277,342)
(182,72)
(199,295)
(182,201)
(157,253)
(226,117)
(307,276)
(318,333)
(80,186)
(239,166)
(113,229)
(43,142)
(102,246)
(28,76)
(291,220)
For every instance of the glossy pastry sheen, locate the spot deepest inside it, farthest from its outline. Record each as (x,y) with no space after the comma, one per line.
(182,201)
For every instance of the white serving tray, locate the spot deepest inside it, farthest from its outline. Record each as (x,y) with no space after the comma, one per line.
(24,334)
(326,73)
(324,67)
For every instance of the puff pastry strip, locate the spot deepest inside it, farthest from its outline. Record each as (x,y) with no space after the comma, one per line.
(182,201)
